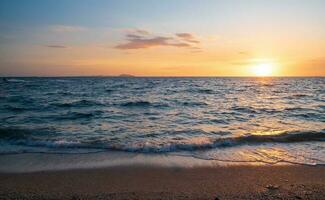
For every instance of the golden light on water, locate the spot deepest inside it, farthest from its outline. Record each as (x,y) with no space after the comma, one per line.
(270,133)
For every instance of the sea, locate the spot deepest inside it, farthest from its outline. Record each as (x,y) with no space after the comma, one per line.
(227,120)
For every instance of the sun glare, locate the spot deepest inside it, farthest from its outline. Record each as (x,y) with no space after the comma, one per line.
(263,69)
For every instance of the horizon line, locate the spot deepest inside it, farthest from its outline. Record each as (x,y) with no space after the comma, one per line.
(134,76)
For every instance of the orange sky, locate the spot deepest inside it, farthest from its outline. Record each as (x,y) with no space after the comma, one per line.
(213,38)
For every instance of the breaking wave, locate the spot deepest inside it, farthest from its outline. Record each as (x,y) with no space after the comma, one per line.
(33,138)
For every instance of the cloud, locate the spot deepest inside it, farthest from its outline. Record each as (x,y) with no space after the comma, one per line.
(188,37)
(196,50)
(317,61)
(138,42)
(143,32)
(56,46)
(134,36)
(243,53)
(245,62)
(141,39)
(66,29)
(136,31)
(241,62)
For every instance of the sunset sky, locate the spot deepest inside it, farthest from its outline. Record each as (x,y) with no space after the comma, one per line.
(162,38)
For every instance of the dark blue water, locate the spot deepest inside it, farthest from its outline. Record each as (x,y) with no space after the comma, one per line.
(233,119)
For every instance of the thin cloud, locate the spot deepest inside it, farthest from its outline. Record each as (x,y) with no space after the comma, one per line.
(66,29)
(188,37)
(317,61)
(143,32)
(314,62)
(141,39)
(56,46)
(240,63)
(196,50)
(243,53)
(138,42)
(179,44)
(136,31)
(133,36)
(251,62)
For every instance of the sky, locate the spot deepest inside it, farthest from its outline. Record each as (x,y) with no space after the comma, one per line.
(162,38)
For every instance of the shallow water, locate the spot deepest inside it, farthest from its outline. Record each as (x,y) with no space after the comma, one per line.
(266,120)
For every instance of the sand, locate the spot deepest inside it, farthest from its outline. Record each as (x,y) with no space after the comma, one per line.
(145,182)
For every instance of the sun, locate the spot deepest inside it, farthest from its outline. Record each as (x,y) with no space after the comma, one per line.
(263,69)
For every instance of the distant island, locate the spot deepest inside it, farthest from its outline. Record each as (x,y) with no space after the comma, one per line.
(126,75)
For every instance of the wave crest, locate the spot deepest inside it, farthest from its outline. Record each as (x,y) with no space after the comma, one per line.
(26,138)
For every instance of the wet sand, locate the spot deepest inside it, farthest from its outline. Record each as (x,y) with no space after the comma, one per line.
(145,182)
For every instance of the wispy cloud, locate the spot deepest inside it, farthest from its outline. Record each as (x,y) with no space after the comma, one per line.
(141,39)
(138,42)
(188,37)
(56,46)
(66,29)
(243,53)
(136,31)
(317,61)
(253,61)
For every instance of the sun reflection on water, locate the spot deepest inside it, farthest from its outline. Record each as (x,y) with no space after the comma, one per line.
(270,132)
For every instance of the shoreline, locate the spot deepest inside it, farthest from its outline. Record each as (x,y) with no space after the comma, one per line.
(154,182)
(44,162)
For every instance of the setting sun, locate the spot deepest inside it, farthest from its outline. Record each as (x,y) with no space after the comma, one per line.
(263,69)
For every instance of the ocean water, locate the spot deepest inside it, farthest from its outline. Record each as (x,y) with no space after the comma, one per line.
(239,120)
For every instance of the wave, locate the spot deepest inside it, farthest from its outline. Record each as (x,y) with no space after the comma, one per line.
(17,80)
(19,99)
(194,103)
(287,137)
(26,138)
(78,115)
(62,80)
(204,91)
(109,90)
(301,95)
(296,109)
(80,103)
(244,109)
(142,104)
(199,91)
(13,134)
(15,108)
(136,104)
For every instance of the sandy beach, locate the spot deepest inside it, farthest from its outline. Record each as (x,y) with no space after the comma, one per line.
(145,182)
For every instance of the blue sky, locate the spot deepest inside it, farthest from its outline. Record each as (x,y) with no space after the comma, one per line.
(172,13)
